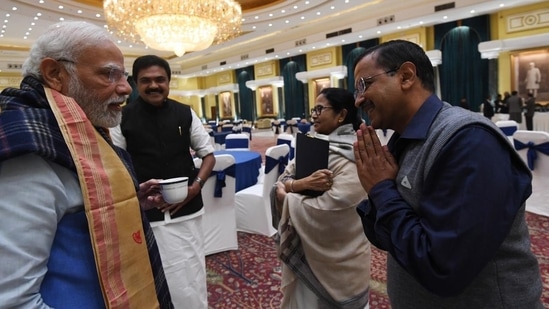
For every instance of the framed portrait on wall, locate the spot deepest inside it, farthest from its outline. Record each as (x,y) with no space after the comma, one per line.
(266,99)
(225,100)
(530,72)
(320,84)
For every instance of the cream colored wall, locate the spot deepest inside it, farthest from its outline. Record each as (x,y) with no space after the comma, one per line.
(8,79)
(416,35)
(178,83)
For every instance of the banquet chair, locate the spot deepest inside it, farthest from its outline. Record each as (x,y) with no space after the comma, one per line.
(253,206)
(237,141)
(533,148)
(291,126)
(227,127)
(286,138)
(219,219)
(508,127)
(247,129)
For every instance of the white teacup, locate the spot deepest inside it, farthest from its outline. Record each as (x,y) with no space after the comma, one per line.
(174,190)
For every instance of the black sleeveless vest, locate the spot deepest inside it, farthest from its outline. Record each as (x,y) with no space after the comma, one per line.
(158,140)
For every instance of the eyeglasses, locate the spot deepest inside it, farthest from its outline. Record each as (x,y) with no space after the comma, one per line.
(365,82)
(318,109)
(114,74)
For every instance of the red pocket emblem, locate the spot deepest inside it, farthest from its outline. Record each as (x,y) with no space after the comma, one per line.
(137,237)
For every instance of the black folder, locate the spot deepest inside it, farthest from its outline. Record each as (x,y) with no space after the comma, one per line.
(311,154)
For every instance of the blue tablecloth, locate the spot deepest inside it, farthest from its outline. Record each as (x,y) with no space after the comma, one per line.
(247,165)
(219,137)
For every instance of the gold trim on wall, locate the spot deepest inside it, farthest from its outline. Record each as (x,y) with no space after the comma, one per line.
(321,59)
(263,70)
(528,20)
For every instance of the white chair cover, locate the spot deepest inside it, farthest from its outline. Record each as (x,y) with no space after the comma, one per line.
(286,138)
(535,144)
(237,141)
(219,219)
(253,208)
(508,127)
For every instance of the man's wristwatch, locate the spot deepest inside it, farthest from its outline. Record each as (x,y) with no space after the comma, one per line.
(200,181)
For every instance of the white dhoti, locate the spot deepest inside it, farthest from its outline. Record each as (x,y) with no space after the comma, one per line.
(181,245)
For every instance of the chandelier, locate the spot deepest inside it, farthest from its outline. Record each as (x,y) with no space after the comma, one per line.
(174,25)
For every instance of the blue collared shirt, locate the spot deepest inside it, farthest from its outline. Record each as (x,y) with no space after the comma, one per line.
(469,201)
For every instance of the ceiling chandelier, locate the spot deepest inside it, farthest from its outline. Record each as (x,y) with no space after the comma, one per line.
(174,25)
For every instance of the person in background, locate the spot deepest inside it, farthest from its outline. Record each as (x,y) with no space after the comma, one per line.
(336,271)
(515,107)
(530,105)
(505,107)
(158,133)
(435,198)
(464,104)
(72,231)
(498,104)
(487,108)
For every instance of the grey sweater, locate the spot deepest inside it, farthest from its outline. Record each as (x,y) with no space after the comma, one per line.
(513,262)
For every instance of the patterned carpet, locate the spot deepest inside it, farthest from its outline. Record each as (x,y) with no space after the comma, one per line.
(250,277)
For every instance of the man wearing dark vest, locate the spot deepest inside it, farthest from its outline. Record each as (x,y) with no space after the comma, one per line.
(446,196)
(158,133)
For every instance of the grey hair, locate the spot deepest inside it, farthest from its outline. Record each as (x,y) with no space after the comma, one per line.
(64,40)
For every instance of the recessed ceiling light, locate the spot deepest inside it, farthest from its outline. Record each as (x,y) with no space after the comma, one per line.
(295,7)
(378,32)
(243,19)
(60,7)
(332,7)
(502,5)
(445,17)
(287,21)
(306,2)
(61,18)
(472,11)
(14,8)
(302,17)
(38,14)
(97,15)
(79,11)
(270,14)
(282,11)
(270,25)
(254,27)
(317,13)
(256,17)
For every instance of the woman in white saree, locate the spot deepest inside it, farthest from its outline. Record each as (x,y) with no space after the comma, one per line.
(325,254)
